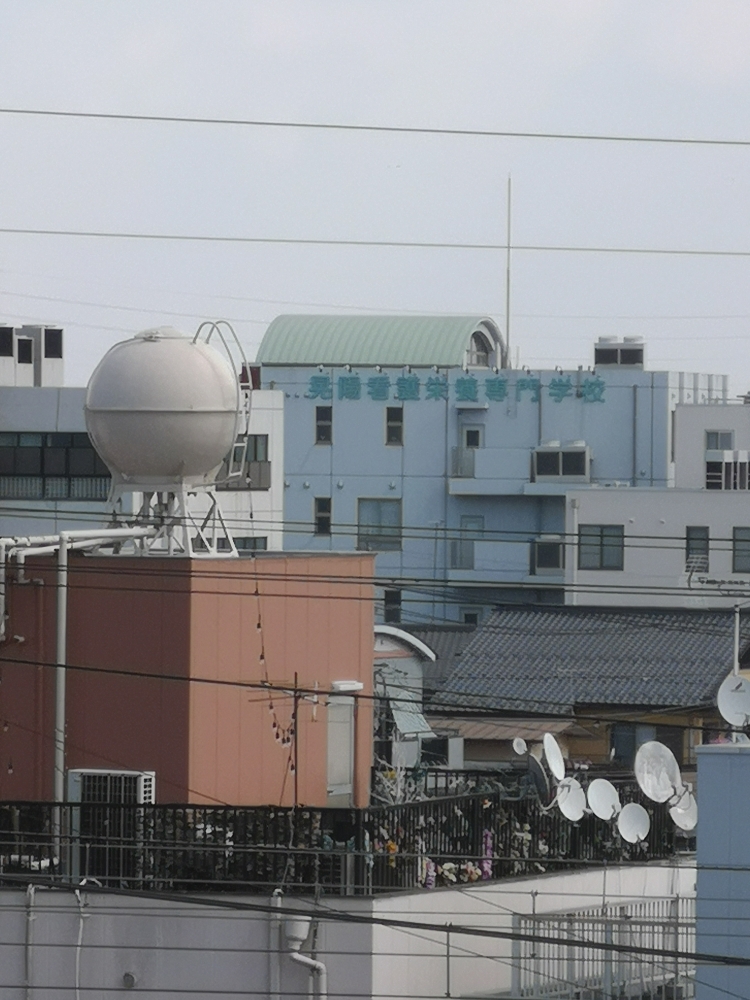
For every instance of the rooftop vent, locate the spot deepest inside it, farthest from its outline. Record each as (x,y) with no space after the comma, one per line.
(625,353)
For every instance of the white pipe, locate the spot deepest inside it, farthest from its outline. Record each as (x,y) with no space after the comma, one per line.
(315,968)
(29,939)
(274,947)
(736,656)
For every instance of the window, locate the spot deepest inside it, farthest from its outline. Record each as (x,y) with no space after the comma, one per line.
(626,737)
(547,555)
(473,437)
(322,516)
(727,475)
(434,751)
(51,466)
(246,544)
(462,548)
(480,350)
(570,462)
(323,425)
(719,440)
(696,549)
(601,546)
(6,341)
(379,525)
(247,466)
(25,351)
(470,616)
(53,343)
(394,425)
(618,355)
(741,550)
(392,607)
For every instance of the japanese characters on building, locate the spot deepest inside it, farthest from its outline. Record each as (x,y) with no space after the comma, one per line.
(464,389)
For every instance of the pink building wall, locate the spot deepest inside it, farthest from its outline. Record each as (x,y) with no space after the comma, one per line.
(171,629)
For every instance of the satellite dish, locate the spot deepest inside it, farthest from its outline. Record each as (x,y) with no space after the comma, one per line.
(554,756)
(604,799)
(685,815)
(657,771)
(541,781)
(519,745)
(633,823)
(733,699)
(571,799)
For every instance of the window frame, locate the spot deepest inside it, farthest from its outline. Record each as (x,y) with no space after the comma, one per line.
(744,553)
(719,434)
(321,516)
(324,425)
(697,546)
(395,424)
(381,537)
(392,606)
(597,542)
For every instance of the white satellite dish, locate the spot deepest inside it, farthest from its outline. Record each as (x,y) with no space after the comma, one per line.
(540,780)
(519,745)
(604,799)
(657,771)
(685,815)
(733,699)
(633,823)
(554,756)
(571,799)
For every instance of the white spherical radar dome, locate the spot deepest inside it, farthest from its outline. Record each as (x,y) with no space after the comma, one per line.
(162,410)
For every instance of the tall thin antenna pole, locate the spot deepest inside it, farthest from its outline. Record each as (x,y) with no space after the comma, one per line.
(507,286)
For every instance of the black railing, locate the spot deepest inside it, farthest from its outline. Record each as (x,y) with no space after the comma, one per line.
(438,841)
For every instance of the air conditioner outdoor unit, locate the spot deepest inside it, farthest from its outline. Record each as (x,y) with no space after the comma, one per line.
(122,787)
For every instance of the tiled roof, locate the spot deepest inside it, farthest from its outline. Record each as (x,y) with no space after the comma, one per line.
(549,660)
(447,643)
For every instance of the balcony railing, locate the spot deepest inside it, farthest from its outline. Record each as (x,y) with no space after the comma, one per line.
(461,838)
(462,463)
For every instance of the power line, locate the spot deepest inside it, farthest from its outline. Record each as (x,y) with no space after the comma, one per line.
(393,129)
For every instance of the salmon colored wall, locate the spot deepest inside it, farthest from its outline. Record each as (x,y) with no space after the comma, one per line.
(176,618)
(316,619)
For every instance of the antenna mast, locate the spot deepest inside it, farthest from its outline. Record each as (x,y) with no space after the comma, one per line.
(507,285)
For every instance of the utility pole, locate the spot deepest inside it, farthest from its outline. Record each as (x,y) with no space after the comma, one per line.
(507,285)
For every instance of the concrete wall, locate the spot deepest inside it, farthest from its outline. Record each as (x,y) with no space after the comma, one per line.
(655,523)
(174,947)
(691,424)
(162,621)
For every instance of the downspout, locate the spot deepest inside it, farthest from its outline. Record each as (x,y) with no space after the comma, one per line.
(274,947)
(60,672)
(296,930)
(28,940)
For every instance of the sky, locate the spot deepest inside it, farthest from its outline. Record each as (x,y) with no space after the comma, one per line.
(627,68)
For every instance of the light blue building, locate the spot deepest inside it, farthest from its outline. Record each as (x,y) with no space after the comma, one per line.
(412,436)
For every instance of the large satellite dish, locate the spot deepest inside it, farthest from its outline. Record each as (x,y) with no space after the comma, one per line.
(554,756)
(685,814)
(571,799)
(633,823)
(604,799)
(657,771)
(540,780)
(733,699)
(519,746)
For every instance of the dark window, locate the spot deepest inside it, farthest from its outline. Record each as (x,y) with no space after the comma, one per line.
(53,343)
(6,461)
(394,425)
(627,737)
(601,546)
(54,462)
(472,437)
(242,544)
(548,463)
(547,555)
(25,351)
(257,448)
(322,516)
(605,355)
(323,425)
(80,441)
(434,751)
(379,525)
(51,466)
(696,549)
(741,550)
(470,617)
(6,341)
(392,606)
(81,461)
(714,475)
(574,463)
(631,356)
(59,440)
(28,462)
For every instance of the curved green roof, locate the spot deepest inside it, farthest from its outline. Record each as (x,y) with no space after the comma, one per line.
(372,340)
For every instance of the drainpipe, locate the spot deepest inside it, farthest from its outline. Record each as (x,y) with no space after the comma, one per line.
(297,930)
(274,947)
(28,940)
(60,658)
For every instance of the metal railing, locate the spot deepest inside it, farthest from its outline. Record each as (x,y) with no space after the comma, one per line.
(437,841)
(462,463)
(573,968)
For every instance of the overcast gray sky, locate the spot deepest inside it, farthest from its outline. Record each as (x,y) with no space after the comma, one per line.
(636,67)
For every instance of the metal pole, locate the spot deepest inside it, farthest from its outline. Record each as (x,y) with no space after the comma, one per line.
(60,672)
(736,658)
(507,285)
